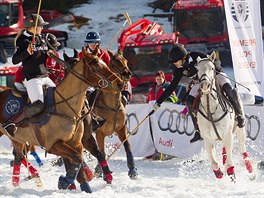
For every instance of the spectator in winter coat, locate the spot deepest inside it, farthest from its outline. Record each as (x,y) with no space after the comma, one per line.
(158,88)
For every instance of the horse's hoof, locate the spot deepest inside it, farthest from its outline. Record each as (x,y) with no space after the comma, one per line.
(252,176)
(86,187)
(218,173)
(132,173)
(88,173)
(108,178)
(63,183)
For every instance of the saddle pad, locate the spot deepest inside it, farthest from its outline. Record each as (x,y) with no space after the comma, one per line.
(13,106)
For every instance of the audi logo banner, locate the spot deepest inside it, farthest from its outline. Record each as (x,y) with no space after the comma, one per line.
(172,133)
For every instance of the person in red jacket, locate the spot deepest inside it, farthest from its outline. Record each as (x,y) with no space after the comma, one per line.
(93,41)
(158,88)
(56,71)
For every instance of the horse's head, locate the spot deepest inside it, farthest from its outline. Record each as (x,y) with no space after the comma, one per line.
(71,60)
(206,73)
(118,64)
(99,74)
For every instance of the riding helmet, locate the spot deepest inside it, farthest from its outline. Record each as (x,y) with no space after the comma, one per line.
(30,21)
(52,40)
(93,37)
(178,52)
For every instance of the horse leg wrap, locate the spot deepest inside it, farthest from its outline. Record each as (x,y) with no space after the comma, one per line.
(86,187)
(88,173)
(107,173)
(65,182)
(218,173)
(38,160)
(247,162)
(16,175)
(231,173)
(224,156)
(31,169)
(72,187)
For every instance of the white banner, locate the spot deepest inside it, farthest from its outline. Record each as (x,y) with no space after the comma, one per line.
(171,133)
(245,36)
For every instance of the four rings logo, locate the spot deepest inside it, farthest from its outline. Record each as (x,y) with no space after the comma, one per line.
(131,123)
(252,126)
(240,10)
(171,120)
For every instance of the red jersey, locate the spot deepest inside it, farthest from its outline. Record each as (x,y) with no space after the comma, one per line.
(105,57)
(56,70)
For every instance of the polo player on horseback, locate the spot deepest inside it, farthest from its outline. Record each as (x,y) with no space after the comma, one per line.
(92,45)
(184,63)
(33,53)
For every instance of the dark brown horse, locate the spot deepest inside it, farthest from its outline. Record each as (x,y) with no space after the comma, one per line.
(110,107)
(63,133)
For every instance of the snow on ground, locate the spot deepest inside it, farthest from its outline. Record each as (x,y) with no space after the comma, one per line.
(176,178)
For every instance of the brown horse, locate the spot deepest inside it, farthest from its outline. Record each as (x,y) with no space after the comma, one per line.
(115,110)
(110,107)
(63,132)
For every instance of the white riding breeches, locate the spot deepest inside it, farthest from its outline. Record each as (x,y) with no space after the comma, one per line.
(34,87)
(220,79)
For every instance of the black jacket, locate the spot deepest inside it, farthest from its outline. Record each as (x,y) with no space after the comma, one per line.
(33,65)
(188,70)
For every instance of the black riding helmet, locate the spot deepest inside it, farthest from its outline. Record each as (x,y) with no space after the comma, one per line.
(52,40)
(30,21)
(177,53)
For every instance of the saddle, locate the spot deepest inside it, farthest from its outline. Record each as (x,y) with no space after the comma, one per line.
(17,100)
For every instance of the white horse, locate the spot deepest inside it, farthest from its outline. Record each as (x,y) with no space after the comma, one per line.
(216,120)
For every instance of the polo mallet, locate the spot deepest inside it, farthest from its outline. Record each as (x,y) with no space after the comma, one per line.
(36,22)
(233,81)
(128,20)
(135,129)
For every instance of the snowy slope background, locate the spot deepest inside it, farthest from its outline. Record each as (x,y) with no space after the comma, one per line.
(179,178)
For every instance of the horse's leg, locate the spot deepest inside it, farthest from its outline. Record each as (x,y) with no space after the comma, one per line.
(18,156)
(241,135)
(210,149)
(35,155)
(224,155)
(90,144)
(75,158)
(80,177)
(122,135)
(228,144)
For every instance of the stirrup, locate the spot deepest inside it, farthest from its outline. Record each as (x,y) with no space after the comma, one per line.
(12,133)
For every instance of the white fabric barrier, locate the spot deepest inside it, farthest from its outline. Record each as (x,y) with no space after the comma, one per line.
(171,136)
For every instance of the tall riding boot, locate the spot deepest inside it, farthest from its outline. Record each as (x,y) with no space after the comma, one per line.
(190,103)
(29,111)
(233,97)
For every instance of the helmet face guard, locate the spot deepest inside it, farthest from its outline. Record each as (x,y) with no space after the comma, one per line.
(92,37)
